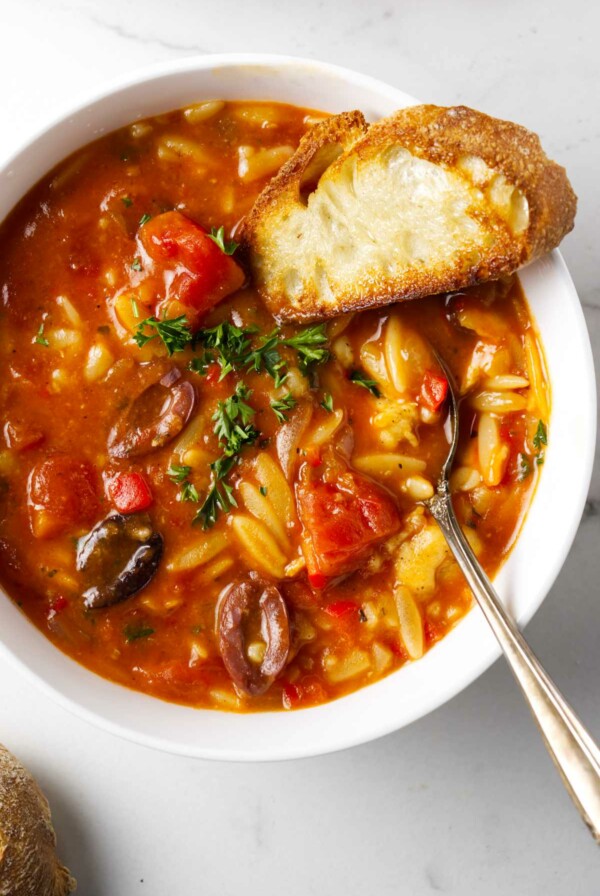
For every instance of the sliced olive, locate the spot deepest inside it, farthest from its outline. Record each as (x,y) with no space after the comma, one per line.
(118,557)
(250,606)
(154,418)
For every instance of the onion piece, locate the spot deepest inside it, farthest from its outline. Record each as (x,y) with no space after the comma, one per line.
(289,438)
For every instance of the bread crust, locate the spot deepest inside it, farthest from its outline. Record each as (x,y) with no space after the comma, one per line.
(437,135)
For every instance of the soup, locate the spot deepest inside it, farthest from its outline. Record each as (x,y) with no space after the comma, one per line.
(201,505)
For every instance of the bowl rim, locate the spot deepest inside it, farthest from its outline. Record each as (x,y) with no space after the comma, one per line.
(466,674)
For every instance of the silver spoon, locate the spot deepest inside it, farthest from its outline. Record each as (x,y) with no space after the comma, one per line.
(573,751)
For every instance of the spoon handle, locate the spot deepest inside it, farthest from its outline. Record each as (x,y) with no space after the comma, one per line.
(573,751)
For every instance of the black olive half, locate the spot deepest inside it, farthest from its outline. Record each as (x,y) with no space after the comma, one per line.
(253,603)
(118,557)
(154,418)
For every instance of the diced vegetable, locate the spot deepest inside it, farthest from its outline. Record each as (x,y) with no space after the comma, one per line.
(62,494)
(342,520)
(434,390)
(129,492)
(204,274)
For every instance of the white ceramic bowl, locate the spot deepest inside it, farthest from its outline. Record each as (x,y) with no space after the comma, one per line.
(524,580)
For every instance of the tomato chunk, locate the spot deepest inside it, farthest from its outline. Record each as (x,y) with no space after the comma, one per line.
(434,390)
(129,492)
(340,608)
(342,520)
(203,274)
(62,494)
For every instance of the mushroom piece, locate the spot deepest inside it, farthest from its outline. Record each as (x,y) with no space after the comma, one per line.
(118,557)
(29,865)
(253,605)
(154,418)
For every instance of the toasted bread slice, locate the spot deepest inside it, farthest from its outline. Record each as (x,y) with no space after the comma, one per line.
(428,200)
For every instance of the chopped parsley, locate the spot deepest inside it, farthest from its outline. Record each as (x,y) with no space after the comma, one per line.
(232,348)
(135,632)
(524,467)
(235,431)
(327,403)
(144,219)
(361,379)
(281,405)
(40,339)
(228,247)
(309,345)
(174,333)
(127,201)
(540,440)
(178,474)
(263,490)
(136,264)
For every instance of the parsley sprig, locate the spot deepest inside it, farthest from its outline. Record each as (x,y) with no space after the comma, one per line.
(280,405)
(179,475)
(174,332)
(235,430)
(40,339)
(235,349)
(361,379)
(228,247)
(540,441)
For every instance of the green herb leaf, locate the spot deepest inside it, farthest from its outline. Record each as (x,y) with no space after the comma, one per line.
(309,344)
(281,405)
(327,402)
(40,339)
(220,497)
(144,219)
(263,490)
(232,422)
(136,264)
(541,436)
(218,237)
(524,467)
(127,201)
(234,428)
(361,379)
(135,632)
(178,472)
(174,333)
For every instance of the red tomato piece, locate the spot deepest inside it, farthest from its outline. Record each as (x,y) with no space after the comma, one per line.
(57,605)
(317,580)
(22,436)
(342,520)
(340,608)
(129,492)
(203,273)
(213,372)
(290,696)
(434,390)
(62,494)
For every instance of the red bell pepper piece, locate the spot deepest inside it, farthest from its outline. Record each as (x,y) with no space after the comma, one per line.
(340,608)
(129,492)
(434,390)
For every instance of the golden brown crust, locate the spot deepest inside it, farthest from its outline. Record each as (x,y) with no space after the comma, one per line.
(343,130)
(444,137)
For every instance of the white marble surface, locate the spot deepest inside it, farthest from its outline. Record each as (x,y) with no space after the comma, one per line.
(465,801)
